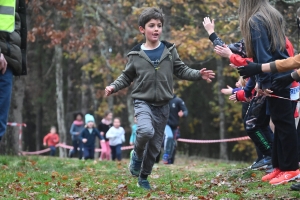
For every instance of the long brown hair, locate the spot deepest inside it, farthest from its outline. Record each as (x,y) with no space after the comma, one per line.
(271,18)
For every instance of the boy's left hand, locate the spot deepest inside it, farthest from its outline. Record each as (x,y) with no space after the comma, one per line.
(207,74)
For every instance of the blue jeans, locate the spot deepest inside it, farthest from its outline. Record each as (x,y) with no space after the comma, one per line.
(52,150)
(5,95)
(116,152)
(88,152)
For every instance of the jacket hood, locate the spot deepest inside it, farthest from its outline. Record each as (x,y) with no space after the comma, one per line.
(136,49)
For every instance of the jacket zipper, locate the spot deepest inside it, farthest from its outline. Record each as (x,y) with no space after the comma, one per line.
(155,68)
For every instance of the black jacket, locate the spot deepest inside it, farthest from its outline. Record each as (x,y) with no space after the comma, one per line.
(91,137)
(176,104)
(13,45)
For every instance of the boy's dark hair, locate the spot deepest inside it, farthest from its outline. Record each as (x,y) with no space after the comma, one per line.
(150,13)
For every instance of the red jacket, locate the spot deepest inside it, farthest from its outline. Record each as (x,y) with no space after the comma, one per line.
(51,139)
(238,60)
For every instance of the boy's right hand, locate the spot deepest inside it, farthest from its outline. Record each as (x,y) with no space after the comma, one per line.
(44,144)
(209,25)
(109,90)
(84,140)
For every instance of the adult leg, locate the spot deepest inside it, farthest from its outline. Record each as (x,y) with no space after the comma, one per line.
(5,95)
(285,136)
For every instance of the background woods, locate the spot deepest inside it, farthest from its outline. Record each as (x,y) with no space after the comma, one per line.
(78,47)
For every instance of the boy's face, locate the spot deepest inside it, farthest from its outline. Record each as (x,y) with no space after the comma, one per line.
(152,30)
(53,130)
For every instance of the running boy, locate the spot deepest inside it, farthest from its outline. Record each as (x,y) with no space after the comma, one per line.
(51,139)
(151,66)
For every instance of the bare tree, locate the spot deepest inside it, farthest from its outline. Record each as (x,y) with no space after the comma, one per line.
(221,100)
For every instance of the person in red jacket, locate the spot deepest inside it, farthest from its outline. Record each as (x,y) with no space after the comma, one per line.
(51,139)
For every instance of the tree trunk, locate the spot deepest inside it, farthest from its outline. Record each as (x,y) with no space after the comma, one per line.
(220,77)
(60,99)
(12,141)
(166,8)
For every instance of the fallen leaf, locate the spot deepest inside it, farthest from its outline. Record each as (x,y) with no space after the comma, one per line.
(64,177)
(78,183)
(148,195)
(20,174)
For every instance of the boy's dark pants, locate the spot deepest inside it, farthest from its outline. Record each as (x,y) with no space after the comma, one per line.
(151,123)
(76,144)
(116,152)
(284,155)
(52,150)
(88,152)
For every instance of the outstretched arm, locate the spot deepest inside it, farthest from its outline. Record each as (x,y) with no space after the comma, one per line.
(124,80)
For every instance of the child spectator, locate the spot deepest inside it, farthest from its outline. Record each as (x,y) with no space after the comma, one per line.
(51,139)
(133,135)
(116,137)
(88,136)
(103,127)
(133,132)
(151,66)
(75,130)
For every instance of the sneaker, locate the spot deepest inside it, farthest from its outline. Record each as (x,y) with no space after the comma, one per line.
(271,175)
(262,164)
(143,183)
(295,186)
(135,165)
(269,169)
(285,177)
(165,158)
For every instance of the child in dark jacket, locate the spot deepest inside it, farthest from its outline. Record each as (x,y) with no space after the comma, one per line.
(88,136)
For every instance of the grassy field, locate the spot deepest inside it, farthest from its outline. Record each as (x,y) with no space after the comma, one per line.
(55,178)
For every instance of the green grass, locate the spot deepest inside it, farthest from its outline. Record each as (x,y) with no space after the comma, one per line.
(47,177)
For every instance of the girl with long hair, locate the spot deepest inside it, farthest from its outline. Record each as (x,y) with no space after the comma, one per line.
(262,28)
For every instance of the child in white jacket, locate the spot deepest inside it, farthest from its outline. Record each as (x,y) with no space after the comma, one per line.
(116,136)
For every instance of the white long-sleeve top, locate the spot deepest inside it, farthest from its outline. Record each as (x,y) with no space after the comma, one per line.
(116,136)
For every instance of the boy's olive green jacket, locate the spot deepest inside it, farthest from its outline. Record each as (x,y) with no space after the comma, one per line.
(153,85)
